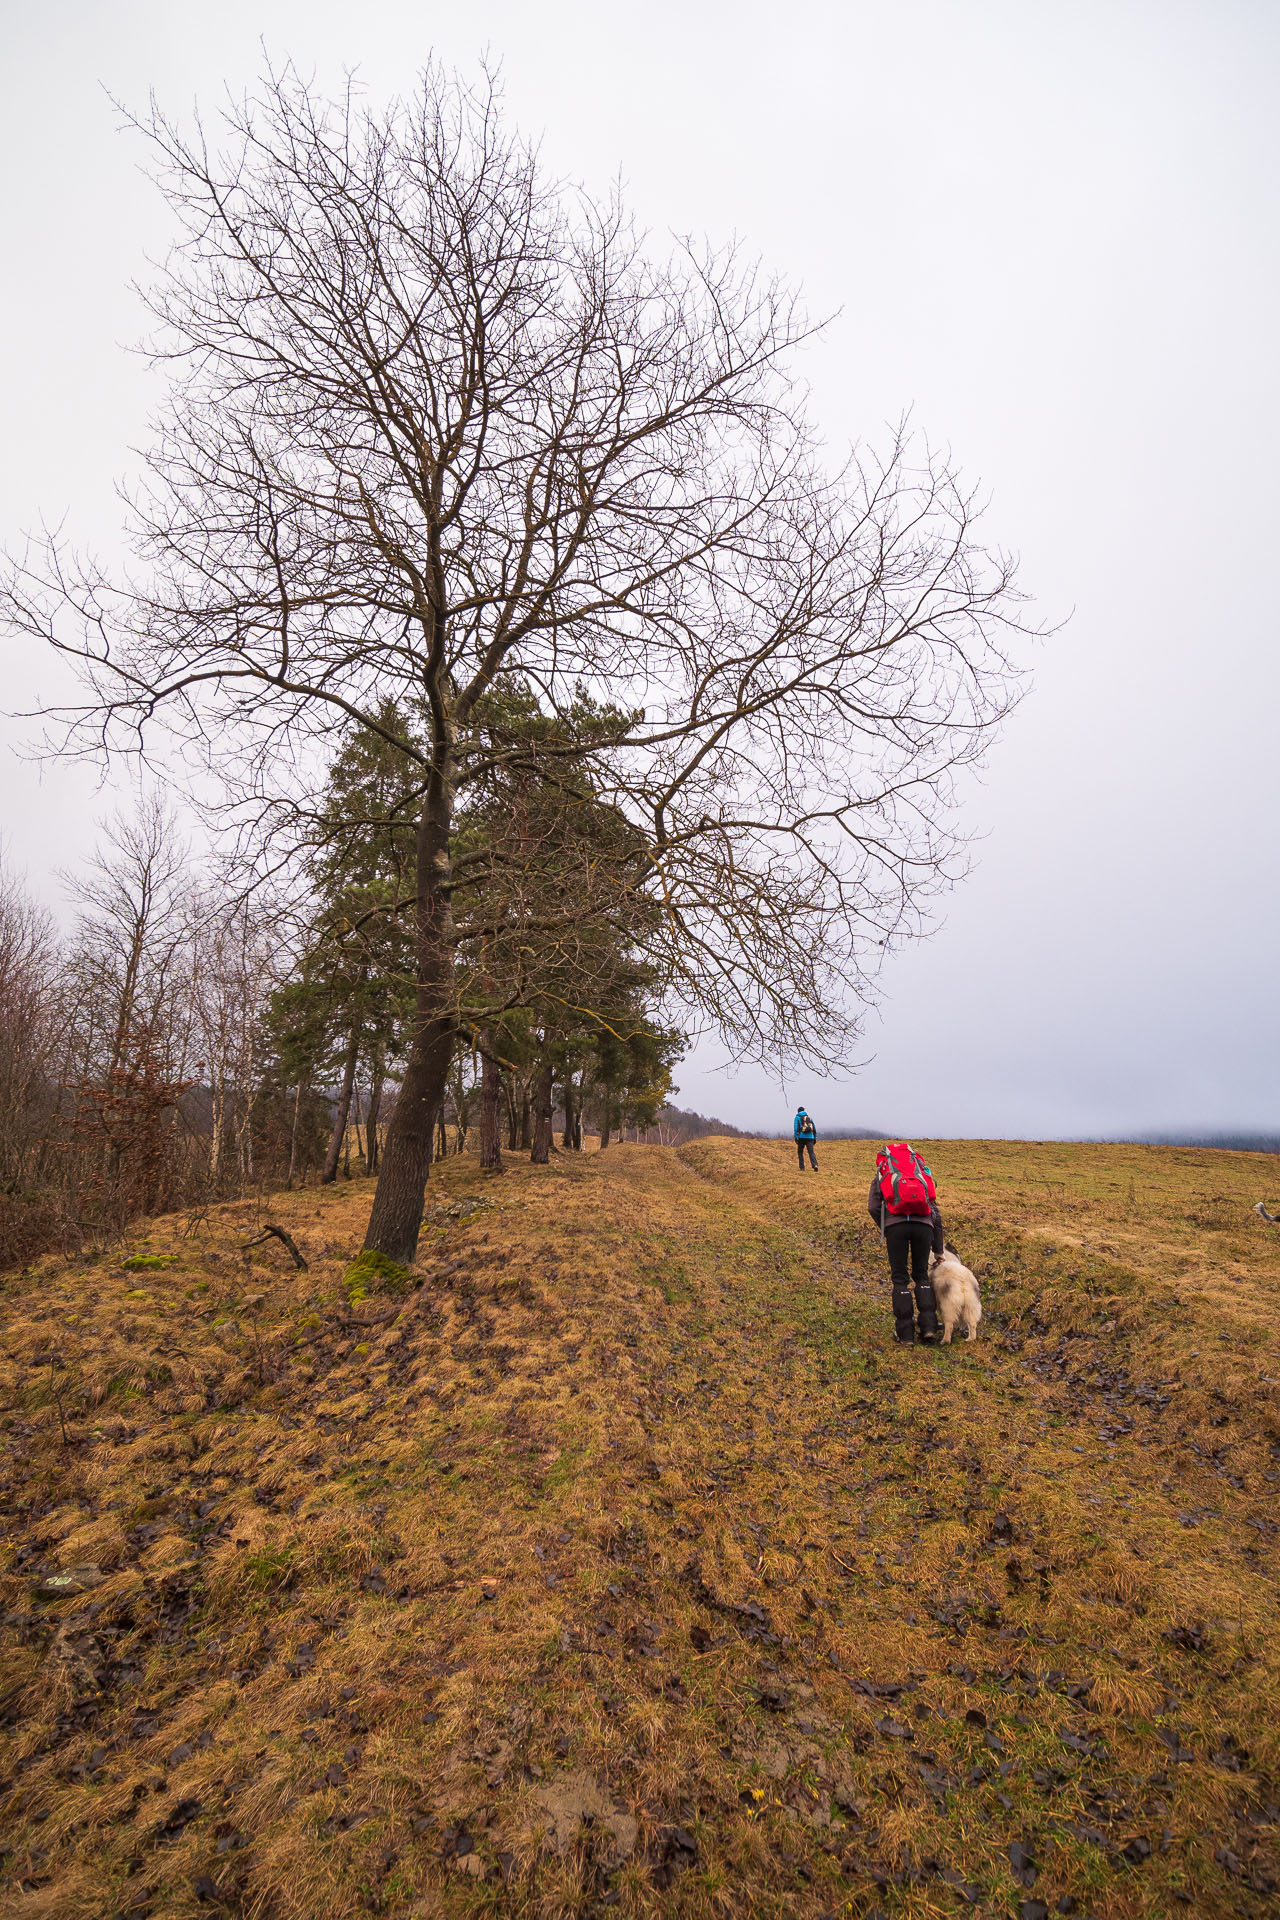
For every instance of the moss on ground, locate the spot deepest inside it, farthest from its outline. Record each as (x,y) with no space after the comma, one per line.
(372,1272)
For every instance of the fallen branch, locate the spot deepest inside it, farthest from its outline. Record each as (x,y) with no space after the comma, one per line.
(1274,1218)
(338,1322)
(56,1391)
(278,1233)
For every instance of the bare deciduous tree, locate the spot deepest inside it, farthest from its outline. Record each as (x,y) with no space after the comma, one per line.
(130,950)
(234,961)
(438,424)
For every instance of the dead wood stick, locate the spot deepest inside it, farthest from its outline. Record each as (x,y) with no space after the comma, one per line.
(287,1238)
(339,1321)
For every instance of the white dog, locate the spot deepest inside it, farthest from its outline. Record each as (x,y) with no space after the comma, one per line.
(957,1293)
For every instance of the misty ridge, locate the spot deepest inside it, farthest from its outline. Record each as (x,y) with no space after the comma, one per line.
(1246,1140)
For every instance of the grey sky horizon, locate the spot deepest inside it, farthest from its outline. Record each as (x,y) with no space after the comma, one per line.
(1050,233)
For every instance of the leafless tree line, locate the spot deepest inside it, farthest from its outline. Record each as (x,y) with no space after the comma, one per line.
(145,1063)
(134,1066)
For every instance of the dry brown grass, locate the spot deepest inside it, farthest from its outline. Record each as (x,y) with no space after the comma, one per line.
(626,1564)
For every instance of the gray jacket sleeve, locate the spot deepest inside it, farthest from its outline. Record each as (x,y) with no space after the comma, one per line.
(939,1241)
(873,1199)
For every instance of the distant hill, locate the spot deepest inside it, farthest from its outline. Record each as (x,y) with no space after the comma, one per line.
(675,1125)
(839,1133)
(1242,1142)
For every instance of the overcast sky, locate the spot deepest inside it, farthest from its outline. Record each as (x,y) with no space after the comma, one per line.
(1051,230)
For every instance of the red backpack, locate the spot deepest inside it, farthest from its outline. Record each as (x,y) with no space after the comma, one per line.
(906,1184)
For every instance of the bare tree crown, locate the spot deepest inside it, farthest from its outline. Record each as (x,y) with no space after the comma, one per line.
(437,421)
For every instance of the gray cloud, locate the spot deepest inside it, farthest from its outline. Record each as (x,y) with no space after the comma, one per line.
(1050,231)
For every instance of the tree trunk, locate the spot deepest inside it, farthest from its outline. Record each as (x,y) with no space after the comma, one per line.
(513,1116)
(606,1126)
(293,1133)
(567,1135)
(396,1219)
(339,1134)
(215,1138)
(246,1138)
(490,1112)
(461,1119)
(543,1096)
(376,1079)
(526,1114)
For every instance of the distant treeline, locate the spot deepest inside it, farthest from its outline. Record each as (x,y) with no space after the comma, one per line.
(674,1125)
(1234,1142)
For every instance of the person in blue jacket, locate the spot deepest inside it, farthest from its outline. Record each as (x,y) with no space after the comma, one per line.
(806,1133)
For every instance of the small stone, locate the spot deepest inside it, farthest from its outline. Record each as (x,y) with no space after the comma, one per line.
(66,1582)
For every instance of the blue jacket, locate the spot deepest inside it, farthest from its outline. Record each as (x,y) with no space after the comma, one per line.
(804,1128)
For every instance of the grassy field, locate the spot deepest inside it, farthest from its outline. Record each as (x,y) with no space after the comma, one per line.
(624,1564)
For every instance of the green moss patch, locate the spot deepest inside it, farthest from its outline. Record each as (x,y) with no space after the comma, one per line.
(372,1272)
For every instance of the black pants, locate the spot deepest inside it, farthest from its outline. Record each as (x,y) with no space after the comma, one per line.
(803,1146)
(911,1239)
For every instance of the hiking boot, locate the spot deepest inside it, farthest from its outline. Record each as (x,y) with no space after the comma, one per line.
(927,1309)
(905,1332)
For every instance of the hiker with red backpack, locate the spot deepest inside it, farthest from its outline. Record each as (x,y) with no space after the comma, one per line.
(903,1202)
